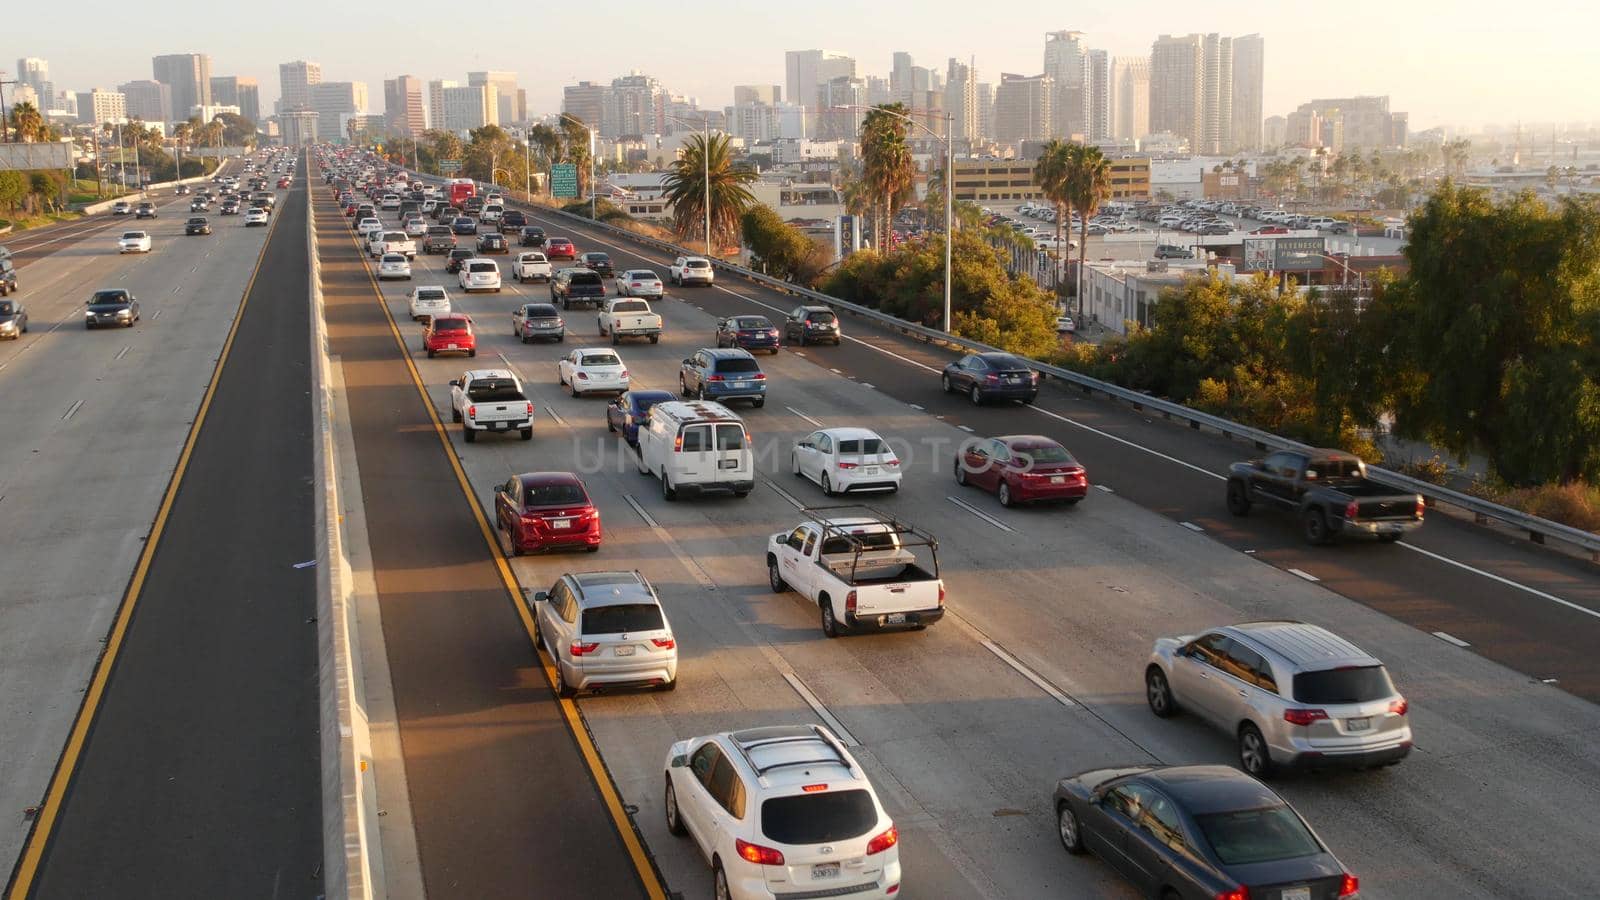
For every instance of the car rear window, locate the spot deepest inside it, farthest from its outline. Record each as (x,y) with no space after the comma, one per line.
(542,311)
(553,495)
(877,541)
(823,316)
(481,267)
(730,437)
(751,322)
(630,306)
(586,278)
(1044,453)
(818,818)
(450,324)
(697,264)
(1356,684)
(492,390)
(862,445)
(430,295)
(439,230)
(623,618)
(601,359)
(737,365)
(1257,835)
(393,258)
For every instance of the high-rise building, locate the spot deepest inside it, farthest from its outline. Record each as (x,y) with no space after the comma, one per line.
(1097,96)
(1347,123)
(403,111)
(148,101)
(961,100)
(585,100)
(232,90)
(466,108)
(1130,98)
(1177,87)
(505,87)
(1024,106)
(770,94)
(1274,132)
(1066,60)
(1216,102)
(334,102)
(436,89)
(635,105)
(835,122)
(294,82)
(985,111)
(807,71)
(35,73)
(900,77)
(878,91)
(1249,66)
(100,105)
(189,77)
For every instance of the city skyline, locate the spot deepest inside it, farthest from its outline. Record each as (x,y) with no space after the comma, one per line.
(1404,59)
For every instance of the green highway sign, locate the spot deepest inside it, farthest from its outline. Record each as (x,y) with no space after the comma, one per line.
(564,180)
(449,165)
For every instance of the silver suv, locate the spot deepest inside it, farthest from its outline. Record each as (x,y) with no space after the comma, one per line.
(1291,694)
(605,629)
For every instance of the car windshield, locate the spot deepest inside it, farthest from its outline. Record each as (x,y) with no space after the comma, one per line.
(600,359)
(748,323)
(737,364)
(1043,453)
(623,618)
(1250,836)
(818,818)
(132,235)
(553,494)
(108,297)
(863,445)
(449,324)
(197,221)
(486,390)
(1355,684)
(7,308)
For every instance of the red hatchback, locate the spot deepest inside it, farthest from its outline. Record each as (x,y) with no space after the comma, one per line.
(1022,468)
(450,334)
(560,248)
(544,510)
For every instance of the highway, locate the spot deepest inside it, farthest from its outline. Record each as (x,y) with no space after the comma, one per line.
(965,727)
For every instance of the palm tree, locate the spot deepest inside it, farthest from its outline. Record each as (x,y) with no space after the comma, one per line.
(685,188)
(1089,185)
(1050,173)
(27,122)
(887,165)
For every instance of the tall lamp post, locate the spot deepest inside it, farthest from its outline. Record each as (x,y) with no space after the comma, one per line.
(949,189)
(705,157)
(594,187)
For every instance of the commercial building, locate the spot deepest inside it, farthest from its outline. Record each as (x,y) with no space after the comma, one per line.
(1066,60)
(506,109)
(294,85)
(1216,101)
(635,105)
(762,123)
(245,93)
(586,101)
(770,94)
(808,72)
(1177,86)
(1097,96)
(148,101)
(835,122)
(403,110)
(1012,181)
(1024,108)
(466,108)
(1249,80)
(35,73)
(1120,292)
(1274,132)
(333,102)
(98,105)
(1130,98)
(189,77)
(1346,123)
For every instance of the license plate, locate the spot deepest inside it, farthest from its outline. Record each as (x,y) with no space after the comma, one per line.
(452,347)
(825,870)
(1013,378)
(499,426)
(560,523)
(870,470)
(626,650)
(1058,479)
(1361,724)
(1297,893)
(896,618)
(728,463)
(741,384)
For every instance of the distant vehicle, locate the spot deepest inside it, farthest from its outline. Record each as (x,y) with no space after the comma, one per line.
(548,511)
(145,210)
(512,219)
(428,301)
(451,333)
(490,400)
(230,207)
(1271,229)
(748,333)
(463,225)
(14,317)
(576,286)
(492,242)
(631,411)
(1330,493)
(111,307)
(479,275)
(197,225)
(723,375)
(629,317)
(416,227)
(255,215)
(592,370)
(394,265)
(692,269)
(605,629)
(1022,468)
(532,236)
(181,189)
(535,321)
(134,242)
(599,263)
(841,460)
(991,376)
(452,263)
(459,190)
(1172,251)
(438,239)
(491,213)
(199,204)
(561,248)
(862,568)
(640,283)
(121,208)
(8,276)
(1066,325)
(812,325)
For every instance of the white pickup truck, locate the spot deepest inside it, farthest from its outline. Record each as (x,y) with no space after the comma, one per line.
(866,570)
(626,317)
(490,400)
(532,265)
(383,242)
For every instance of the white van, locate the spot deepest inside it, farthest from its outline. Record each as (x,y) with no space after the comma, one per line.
(695,447)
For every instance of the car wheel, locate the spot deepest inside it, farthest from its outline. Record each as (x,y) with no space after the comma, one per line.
(470,435)
(1254,757)
(1158,693)
(1067,828)
(455,414)
(1238,498)
(430,354)
(1382,538)
(802,338)
(830,625)
(775,579)
(944,382)
(961,472)
(527,434)
(516,548)
(759,402)
(610,427)
(670,801)
(1004,493)
(976,396)
(1315,527)
(615,340)
(827,485)
(667,492)
(563,690)
(655,338)
(472,353)
(720,884)
(572,386)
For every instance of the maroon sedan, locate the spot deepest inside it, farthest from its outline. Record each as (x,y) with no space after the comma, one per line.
(543,510)
(1022,468)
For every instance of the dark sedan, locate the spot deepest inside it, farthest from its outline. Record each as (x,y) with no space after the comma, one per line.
(493,242)
(750,332)
(1022,468)
(111,307)
(457,257)
(631,410)
(197,225)
(1192,832)
(463,225)
(991,376)
(598,262)
(532,236)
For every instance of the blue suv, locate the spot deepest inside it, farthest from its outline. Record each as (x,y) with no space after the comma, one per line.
(720,374)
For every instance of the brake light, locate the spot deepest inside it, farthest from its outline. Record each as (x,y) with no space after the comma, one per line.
(813,788)
(530,409)
(883,841)
(761,856)
(1238,893)
(992,378)
(624,373)
(713,377)
(1399,707)
(472,412)
(845,465)
(772,333)
(664,643)
(677,444)
(941,593)
(759,376)
(1422,507)
(584,375)
(1352,510)
(850,603)
(1350,887)
(579,648)
(1303,717)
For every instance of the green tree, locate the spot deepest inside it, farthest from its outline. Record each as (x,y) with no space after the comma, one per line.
(26,121)
(1050,174)
(13,189)
(887,166)
(685,188)
(442,144)
(780,249)
(1089,185)
(237,131)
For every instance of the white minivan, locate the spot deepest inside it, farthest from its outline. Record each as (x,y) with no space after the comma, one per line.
(697,447)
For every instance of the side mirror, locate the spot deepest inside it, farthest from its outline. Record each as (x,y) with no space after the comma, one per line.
(688,362)
(679,761)
(455,382)
(541,596)
(1258,464)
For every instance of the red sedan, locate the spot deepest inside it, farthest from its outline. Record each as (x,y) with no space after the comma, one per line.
(450,334)
(544,510)
(1022,468)
(1271,229)
(560,248)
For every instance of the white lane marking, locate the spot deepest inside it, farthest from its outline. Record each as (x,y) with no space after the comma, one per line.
(836,371)
(1034,677)
(786,495)
(157,315)
(804,416)
(177,289)
(1503,580)
(1191,526)
(72,410)
(509,365)
(640,510)
(1104,488)
(981,514)
(557,416)
(839,731)
(123,352)
(1450,639)
(1125,442)
(966,428)
(1306,575)
(917,407)
(192,268)
(866,384)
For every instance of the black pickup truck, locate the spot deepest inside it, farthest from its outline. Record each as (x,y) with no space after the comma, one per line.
(1328,490)
(577,286)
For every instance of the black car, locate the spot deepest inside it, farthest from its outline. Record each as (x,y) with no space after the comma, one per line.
(812,325)
(1197,831)
(748,332)
(463,225)
(197,225)
(111,307)
(532,236)
(598,262)
(512,218)
(457,257)
(991,376)
(13,315)
(493,242)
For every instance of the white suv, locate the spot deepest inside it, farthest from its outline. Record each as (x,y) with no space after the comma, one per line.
(692,269)
(782,811)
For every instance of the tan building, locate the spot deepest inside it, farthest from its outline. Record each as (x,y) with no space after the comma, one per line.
(1011,181)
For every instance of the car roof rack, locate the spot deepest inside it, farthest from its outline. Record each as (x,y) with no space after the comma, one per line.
(783,734)
(910,535)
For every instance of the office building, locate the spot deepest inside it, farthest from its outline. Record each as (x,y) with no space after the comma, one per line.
(294,83)
(98,105)
(1011,180)
(335,101)
(1177,86)
(1347,123)
(1130,98)
(1097,96)
(834,121)
(189,77)
(1274,132)
(35,73)
(466,108)
(403,111)
(148,101)
(770,94)
(586,101)
(808,72)
(505,95)
(961,100)
(1216,101)
(1249,62)
(1024,108)
(636,104)
(232,90)
(878,91)
(1066,61)
(436,89)
(985,111)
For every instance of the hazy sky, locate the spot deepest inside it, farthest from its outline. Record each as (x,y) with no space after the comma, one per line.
(1465,62)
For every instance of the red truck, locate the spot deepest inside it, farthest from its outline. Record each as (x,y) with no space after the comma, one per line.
(458,190)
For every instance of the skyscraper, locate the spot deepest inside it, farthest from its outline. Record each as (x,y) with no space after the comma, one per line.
(294,81)
(1130,98)
(436,90)
(334,102)
(100,105)
(834,123)
(35,73)
(1097,95)
(770,94)
(1023,108)
(985,111)
(1066,60)
(635,105)
(1249,66)
(402,106)
(232,90)
(148,101)
(900,77)
(505,88)
(1216,102)
(466,108)
(189,77)
(961,100)
(1177,87)
(808,70)
(585,100)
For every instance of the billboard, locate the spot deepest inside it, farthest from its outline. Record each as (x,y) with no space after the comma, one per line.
(22,157)
(564,180)
(846,236)
(1299,254)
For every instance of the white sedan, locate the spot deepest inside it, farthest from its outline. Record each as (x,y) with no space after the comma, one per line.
(416,228)
(479,275)
(394,265)
(595,370)
(847,459)
(134,242)
(639,283)
(255,215)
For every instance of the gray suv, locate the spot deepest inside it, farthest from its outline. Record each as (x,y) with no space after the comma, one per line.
(1291,694)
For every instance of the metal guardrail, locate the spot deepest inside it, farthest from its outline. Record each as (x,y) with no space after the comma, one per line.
(1538,529)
